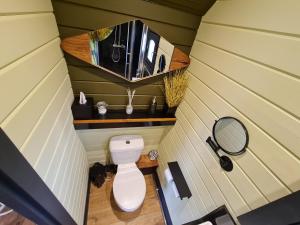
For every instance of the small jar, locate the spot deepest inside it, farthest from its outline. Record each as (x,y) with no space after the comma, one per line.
(102,108)
(153,154)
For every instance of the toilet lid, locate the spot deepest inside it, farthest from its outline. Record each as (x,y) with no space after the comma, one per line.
(129,188)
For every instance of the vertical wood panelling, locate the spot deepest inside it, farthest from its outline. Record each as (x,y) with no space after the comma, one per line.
(36,97)
(245,68)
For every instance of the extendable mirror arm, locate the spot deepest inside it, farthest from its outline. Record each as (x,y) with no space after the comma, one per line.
(225,161)
(213,145)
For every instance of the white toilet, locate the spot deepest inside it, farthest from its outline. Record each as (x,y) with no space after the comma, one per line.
(129,187)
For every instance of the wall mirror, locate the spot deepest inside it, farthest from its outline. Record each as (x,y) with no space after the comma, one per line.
(231,136)
(131,50)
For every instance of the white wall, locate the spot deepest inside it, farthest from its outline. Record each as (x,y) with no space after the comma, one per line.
(36,98)
(245,63)
(96,141)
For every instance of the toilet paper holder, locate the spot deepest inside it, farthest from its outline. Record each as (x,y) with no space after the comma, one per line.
(177,180)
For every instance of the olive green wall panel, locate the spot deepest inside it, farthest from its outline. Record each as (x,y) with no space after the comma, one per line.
(70,31)
(176,26)
(191,6)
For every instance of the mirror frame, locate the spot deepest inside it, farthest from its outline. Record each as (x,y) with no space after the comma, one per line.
(78,46)
(245,130)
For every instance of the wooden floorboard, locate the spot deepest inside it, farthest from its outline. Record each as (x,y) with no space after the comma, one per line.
(13,218)
(104,211)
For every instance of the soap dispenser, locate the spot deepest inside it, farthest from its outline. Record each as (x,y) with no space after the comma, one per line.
(152,107)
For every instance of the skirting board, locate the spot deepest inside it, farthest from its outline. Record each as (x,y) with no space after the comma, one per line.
(162,200)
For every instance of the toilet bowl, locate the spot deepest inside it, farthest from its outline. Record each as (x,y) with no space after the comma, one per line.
(129,186)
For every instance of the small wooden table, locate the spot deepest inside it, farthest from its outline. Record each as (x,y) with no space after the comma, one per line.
(146,165)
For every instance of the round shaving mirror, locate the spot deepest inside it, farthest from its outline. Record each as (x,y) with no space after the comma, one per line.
(231,136)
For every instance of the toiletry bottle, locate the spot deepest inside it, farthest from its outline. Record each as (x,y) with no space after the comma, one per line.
(152,107)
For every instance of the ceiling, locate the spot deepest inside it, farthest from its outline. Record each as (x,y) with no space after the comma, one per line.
(197,7)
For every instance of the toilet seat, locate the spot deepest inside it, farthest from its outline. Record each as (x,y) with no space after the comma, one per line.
(129,187)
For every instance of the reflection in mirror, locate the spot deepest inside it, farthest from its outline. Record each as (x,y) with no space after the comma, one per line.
(161,63)
(231,135)
(131,50)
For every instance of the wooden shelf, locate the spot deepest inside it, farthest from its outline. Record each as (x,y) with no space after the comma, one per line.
(129,120)
(117,118)
(146,165)
(145,162)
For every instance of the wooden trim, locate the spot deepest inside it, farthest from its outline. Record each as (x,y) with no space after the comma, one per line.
(78,46)
(87,200)
(179,60)
(23,190)
(135,120)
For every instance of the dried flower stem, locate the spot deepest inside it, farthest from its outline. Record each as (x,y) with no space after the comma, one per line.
(175,86)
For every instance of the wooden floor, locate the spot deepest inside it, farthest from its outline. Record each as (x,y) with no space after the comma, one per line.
(104,211)
(14,218)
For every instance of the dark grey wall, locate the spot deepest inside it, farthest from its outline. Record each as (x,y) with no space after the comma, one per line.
(79,16)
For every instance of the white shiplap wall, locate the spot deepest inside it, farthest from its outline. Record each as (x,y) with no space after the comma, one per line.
(244,63)
(96,141)
(36,98)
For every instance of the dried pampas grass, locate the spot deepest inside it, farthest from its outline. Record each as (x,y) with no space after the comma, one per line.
(175,86)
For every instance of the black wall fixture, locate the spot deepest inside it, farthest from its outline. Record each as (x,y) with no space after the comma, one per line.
(179,180)
(284,211)
(219,216)
(231,136)
(23,190)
